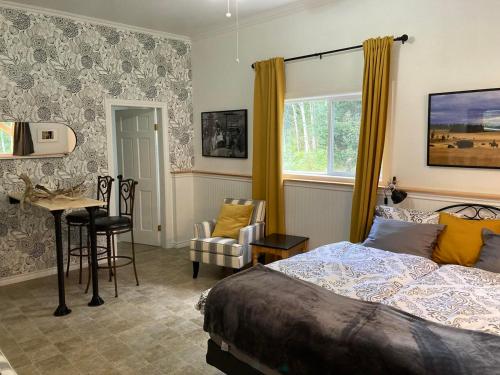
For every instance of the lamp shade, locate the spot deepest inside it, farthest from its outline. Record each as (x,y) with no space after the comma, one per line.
(397,196)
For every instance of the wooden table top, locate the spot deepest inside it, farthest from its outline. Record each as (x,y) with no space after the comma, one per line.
(59,204)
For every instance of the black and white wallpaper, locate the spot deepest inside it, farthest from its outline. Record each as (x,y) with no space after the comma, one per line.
(61,70)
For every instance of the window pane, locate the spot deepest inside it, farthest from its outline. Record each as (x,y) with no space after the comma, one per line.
(346,122)
(305,137)
(6,137)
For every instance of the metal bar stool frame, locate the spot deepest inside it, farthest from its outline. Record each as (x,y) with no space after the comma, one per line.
(104,188)
(126,201)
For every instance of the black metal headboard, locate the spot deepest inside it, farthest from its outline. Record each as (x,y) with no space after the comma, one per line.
(472,211)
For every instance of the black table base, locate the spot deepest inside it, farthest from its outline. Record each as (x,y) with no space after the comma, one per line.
(62,309)
(96,299)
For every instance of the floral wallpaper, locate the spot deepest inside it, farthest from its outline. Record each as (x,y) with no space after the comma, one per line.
(60,70)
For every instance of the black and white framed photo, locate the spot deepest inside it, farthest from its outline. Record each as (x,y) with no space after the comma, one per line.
(224,134)
(47,135)
(464,129)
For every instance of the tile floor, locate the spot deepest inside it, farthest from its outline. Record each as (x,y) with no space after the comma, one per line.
(150,329)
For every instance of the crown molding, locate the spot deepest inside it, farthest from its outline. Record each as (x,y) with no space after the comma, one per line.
(92,20)
(260,18)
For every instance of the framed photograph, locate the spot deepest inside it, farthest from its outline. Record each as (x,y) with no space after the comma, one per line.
(224,134)
(464,129)
(47,135)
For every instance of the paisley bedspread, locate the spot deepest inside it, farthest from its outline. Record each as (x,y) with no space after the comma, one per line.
(456,296)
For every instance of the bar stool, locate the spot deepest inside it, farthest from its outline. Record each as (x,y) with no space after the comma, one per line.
(79,219)
(110,226)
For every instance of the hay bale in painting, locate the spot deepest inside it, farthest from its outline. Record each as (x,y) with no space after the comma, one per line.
(465,143)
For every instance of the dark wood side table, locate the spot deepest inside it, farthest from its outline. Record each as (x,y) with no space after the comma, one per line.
(281,245)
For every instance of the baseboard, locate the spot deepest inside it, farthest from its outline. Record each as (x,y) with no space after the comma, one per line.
(33,275)
(178,245)
(37,274)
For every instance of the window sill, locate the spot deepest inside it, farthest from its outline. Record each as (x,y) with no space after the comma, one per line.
(318,179)
(347,181)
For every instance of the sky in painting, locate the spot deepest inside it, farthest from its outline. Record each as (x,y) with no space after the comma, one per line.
(466,108)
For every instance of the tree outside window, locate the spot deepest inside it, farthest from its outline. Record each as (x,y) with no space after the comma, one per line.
(321,135)
(6,138)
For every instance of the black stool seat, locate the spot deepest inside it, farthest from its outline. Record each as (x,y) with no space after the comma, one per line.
(82,216)
(103,224)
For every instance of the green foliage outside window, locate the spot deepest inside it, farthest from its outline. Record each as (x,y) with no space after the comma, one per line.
(6,141)
(315,143)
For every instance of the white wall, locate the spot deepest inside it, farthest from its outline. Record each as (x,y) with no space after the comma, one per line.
(64,143)
(452,47)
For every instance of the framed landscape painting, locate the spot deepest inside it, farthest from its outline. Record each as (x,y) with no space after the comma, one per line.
(224,134)
(464,129)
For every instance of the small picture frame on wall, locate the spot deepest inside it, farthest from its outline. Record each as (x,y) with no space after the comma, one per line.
(47,135)
(464,129)
(225,134)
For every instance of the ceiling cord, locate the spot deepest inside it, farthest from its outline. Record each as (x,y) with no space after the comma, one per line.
(237,33)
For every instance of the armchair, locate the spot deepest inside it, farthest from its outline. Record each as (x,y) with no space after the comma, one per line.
(227,252)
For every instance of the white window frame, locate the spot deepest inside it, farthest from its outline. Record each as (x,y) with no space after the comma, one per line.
(330,174)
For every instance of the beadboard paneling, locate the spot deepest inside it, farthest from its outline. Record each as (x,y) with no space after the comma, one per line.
(210,191)
(320,212)
(183,210)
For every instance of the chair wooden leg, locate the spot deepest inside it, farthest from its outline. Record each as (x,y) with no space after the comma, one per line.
(69,250)
(81,256)
(196,268)
(114,261)
(133,257)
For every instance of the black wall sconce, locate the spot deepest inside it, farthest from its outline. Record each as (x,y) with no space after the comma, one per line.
(397,195)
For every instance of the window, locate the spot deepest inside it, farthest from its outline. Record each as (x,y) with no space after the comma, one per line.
(6,138)
(321,135)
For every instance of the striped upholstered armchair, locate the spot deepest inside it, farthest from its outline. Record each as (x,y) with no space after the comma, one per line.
(227,252)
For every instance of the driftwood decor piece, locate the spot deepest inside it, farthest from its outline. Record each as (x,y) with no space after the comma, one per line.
(34,193)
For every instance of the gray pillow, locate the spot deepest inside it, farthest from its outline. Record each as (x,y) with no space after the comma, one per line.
(403,237)
(489,260)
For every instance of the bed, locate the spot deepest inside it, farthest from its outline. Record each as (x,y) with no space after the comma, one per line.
(388,313)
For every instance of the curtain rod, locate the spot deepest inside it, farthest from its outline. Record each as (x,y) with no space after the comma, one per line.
(403,38)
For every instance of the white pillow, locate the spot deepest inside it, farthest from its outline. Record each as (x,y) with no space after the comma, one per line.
(407,214)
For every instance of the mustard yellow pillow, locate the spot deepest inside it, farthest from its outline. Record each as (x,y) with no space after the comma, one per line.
(461,241)
(232,218)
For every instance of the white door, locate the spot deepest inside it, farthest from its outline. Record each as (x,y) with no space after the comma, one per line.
(137,148)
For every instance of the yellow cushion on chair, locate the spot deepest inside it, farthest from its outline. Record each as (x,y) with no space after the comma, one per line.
(461,240)
(232,218)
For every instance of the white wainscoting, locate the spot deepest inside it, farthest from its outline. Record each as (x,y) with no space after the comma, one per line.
(210,191)
(183,210)
(321,212)
(431,202)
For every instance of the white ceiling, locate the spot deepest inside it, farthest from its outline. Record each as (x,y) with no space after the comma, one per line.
(183,17)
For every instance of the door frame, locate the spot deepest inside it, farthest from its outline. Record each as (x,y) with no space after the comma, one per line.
(167,235)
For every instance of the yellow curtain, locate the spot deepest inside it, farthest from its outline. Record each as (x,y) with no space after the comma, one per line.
(372,133)
(267,176)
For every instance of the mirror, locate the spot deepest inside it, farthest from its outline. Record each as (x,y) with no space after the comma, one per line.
(20,140)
